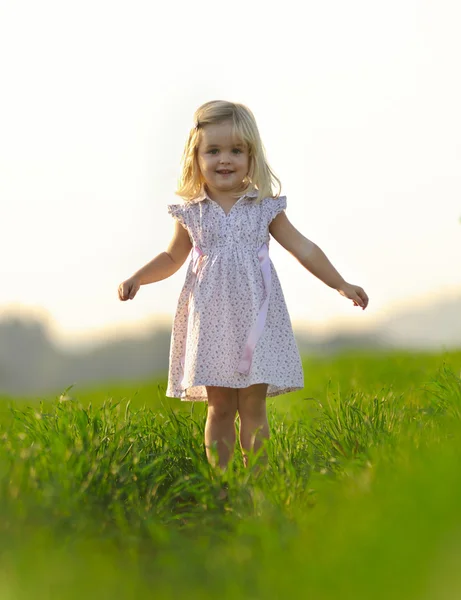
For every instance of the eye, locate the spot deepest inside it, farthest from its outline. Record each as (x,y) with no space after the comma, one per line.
(237,150)
(213,150)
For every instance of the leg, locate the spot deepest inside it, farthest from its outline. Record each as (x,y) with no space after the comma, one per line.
(254,427)
(220,423)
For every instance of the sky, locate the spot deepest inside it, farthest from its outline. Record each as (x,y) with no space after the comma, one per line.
(357,104)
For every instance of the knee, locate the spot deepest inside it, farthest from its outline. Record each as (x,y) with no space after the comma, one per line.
(252,409)
(222,405)
(221,412)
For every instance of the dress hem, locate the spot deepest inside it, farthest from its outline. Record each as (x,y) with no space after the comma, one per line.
(277,392)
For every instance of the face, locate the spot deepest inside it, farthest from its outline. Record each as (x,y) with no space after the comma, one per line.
(219,153)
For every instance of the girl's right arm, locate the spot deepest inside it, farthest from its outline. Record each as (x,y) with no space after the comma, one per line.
(162,266)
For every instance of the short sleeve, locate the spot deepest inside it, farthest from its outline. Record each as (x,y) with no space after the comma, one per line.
(274,206)
(178,211)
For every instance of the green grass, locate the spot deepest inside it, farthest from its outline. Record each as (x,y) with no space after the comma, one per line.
(106,492)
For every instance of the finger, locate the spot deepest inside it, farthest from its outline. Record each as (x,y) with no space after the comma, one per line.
(359,301)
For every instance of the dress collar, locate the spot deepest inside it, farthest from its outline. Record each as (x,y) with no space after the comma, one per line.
(203,195)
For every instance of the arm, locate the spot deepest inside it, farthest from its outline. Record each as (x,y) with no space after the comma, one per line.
(167,263)
(313,259)
(162,266)
(306,252)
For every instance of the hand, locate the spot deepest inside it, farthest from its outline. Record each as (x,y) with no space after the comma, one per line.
(354,293)
(129,288)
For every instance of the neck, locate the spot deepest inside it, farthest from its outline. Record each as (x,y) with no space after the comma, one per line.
(224,196)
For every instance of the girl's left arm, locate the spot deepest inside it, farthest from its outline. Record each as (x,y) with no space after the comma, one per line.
(314,259)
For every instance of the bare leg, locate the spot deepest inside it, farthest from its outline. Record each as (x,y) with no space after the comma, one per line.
(254,427)
(220,424)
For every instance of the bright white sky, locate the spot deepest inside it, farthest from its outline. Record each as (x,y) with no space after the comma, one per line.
(358,107)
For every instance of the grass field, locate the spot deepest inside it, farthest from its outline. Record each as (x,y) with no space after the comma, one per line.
(106,493)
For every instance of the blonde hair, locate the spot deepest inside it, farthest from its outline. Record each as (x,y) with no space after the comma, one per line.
(260,176)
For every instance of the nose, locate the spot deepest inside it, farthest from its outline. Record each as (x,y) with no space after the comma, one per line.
(224,159)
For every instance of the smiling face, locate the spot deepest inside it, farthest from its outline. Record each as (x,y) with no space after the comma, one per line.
(223,160)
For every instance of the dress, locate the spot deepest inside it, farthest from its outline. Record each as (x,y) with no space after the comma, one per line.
(227,330)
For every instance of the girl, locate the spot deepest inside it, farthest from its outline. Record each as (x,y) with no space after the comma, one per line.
(232,342)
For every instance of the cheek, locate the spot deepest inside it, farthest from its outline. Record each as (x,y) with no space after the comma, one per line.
(201,164)
(245,163)
(205,163)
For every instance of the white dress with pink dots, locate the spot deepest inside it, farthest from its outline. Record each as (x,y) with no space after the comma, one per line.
(231,326)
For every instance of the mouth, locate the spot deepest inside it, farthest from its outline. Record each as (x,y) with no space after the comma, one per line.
(224,172)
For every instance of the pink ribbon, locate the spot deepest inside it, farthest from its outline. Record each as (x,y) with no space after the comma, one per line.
(196,254)
(258,326)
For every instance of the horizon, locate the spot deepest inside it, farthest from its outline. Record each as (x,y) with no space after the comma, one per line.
(86,340)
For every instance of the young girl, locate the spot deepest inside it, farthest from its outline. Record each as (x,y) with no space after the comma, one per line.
(232,342)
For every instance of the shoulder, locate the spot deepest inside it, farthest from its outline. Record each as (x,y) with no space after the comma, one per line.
(273,206)
(181,211)
(178,207)
(277,201)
